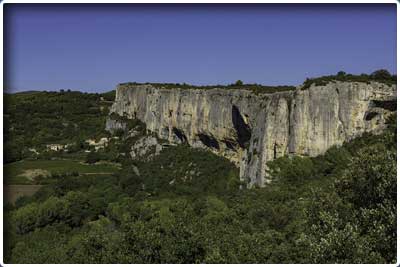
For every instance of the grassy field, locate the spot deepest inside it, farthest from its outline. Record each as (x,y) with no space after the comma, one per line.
(12,192)
(25,171)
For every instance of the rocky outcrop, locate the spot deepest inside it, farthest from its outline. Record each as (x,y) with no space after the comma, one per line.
(251,129)
(146,148)
(113,125)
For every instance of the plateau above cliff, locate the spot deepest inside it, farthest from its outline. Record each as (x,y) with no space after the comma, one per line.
(251,129)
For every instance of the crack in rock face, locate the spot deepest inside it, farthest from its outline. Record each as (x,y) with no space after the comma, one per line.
(243,131)
(180,134)
(252,129)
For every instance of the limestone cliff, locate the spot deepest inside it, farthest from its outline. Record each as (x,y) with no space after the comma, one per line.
(251,129)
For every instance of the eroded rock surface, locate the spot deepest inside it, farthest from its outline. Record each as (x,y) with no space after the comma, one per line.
(251,129)
(145,148)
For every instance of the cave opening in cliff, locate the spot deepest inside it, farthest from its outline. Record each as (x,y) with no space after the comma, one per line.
(390,105)
(209,141)
(229,144)
(179,134)
(243,131)
(370,115)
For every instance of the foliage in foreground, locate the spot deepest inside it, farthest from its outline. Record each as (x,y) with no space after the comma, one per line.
(185,207)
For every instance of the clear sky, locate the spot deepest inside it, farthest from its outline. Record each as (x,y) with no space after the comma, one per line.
(95,47)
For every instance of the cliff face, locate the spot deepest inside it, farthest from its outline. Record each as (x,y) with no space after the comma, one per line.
(251,129)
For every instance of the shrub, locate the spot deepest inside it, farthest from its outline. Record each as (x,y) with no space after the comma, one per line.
(92,157)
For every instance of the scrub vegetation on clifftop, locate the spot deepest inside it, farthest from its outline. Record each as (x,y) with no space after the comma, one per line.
(256,88)
(382,76)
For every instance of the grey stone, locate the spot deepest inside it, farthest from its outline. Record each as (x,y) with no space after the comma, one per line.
(251,129)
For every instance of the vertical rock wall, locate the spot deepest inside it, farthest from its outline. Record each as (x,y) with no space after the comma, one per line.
(251,129)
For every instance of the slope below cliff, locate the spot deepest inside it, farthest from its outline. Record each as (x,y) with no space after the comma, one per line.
(251,129)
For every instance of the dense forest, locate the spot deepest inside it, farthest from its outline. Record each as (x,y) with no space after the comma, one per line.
(187,205)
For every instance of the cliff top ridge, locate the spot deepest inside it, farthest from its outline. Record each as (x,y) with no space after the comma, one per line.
(381,76)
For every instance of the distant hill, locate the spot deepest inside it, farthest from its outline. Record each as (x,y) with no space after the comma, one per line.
(37,118)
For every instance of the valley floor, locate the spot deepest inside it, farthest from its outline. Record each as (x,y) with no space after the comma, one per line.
(26,177)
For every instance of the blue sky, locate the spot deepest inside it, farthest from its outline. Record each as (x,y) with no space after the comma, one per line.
(95,47)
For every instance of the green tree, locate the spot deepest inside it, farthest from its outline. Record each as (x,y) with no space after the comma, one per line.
(356,222)
(238,83)
(92,157)
(25,218)
(341,74)
(381,75)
